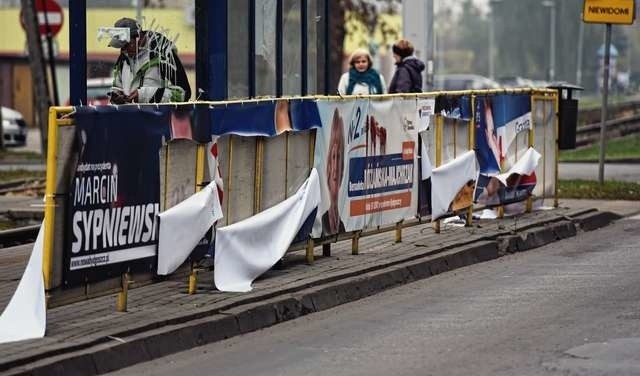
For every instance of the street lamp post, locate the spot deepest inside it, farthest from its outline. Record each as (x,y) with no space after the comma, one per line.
(580,47)
(551,4)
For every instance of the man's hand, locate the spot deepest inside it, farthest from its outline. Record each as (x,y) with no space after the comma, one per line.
(118,97)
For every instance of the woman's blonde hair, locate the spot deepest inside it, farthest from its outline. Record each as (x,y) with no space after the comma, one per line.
(360,52)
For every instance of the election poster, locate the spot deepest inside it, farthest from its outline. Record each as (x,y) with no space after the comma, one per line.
(341,120)
(264,118)
(502,136)
(512,186)
(366,159)
(114,194)
(502,124)
(383,185)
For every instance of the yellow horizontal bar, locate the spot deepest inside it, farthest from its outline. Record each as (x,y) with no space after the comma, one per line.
(65,122)
(63,109)
(338,97)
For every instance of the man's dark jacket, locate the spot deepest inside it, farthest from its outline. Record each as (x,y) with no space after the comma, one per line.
(408,77)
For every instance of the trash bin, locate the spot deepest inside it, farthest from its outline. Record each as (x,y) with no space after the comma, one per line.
(567,115)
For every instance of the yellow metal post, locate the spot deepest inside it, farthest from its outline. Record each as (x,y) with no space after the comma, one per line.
(399,232)
(227,193)
(529,206)
(166,173)
(471,146)
(257,193)
(49,199)
(439,131)
(312,148)
(123,294)
(501,207)
(544,149)
(286,165)
(556,135)
(309,253)
(355,240)
(200,158)
(193,280)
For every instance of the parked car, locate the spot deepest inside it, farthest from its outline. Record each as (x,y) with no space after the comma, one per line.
(14,128)
(450,82)
(97,91)
(516,81)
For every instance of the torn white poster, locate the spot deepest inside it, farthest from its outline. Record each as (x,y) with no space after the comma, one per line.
(25,317)
(424,112)
(425,162)
(526,165)
(183,226)
(449,179)
(246,249)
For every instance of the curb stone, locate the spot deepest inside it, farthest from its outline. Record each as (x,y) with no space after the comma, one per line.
(595,220)
(173,338)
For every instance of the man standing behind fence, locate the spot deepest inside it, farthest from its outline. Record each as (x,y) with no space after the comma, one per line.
(148,69)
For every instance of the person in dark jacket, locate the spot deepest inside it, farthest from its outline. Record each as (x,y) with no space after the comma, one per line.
(408,75)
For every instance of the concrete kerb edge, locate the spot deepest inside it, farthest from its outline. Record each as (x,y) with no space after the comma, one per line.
(595,220)
(176,337)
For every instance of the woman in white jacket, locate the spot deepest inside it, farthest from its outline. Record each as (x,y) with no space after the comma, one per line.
(361,77)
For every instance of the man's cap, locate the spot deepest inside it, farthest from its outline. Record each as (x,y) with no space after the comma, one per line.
(127,23)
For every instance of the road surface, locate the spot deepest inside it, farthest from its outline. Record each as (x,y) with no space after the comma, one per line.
(569,308)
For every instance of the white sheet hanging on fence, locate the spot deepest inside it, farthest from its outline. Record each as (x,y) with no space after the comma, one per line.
(184,225)
(448,179)
(25,317)
(425,162)
(526,165)
(246,249)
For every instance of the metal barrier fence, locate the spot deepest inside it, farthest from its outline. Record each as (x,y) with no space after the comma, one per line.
(259,172)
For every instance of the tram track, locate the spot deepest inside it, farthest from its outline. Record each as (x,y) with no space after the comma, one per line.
(18,236)
(590,134)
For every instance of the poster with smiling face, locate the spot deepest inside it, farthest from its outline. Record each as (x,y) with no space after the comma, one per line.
(330,156)
(366,158)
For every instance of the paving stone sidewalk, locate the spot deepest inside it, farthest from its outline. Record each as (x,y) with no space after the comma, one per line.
(86,326)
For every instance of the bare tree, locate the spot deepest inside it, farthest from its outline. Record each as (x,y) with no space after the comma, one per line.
(38,71)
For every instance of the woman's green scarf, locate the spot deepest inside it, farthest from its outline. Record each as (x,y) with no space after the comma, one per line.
(370,77)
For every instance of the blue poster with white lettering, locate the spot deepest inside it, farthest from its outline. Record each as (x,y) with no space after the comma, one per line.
(502,129)
(115,192)
(499,120)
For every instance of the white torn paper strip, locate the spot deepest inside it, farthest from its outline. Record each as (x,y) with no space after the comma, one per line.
(425,162)
(485,214)
(448,179)
(25,317)
(526,165)
(246,249)
(183,226)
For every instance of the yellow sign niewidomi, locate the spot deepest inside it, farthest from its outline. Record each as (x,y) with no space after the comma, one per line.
(609,11)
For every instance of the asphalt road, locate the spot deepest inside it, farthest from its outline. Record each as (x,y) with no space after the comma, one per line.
(570,308)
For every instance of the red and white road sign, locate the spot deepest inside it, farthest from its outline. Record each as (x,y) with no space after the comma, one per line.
(48,12)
